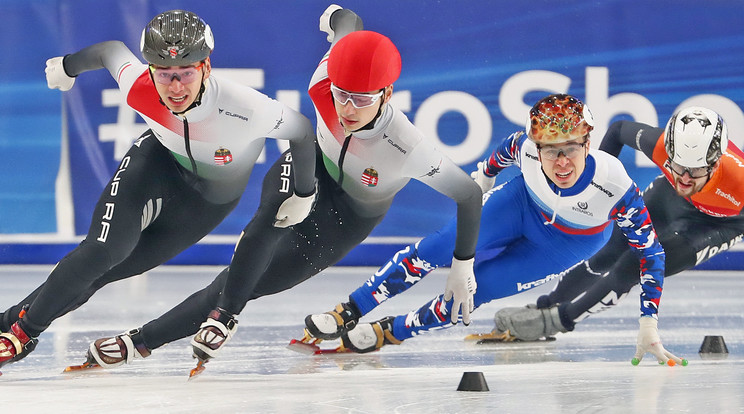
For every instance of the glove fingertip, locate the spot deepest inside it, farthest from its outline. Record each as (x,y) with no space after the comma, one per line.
(671,362)
(635,361)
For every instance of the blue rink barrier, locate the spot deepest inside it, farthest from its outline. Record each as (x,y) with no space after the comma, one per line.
(200,254)
(370,254)
(470,72)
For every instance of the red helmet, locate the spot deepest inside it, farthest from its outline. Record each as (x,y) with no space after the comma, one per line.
(559,118)
(364,61)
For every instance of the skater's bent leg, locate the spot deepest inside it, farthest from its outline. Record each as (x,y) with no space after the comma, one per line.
(184,319)
(433,315)
(579,277)
(607,291)
(73,274)
(401,272)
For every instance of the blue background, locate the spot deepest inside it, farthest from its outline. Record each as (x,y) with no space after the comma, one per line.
(664,52)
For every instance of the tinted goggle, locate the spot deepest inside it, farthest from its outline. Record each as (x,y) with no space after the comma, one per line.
(165,76)
(359,100)
(695,172)
(570,151)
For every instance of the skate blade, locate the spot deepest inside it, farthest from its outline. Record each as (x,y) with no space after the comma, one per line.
(494,336)
(334,351)
(310,348)
(307,348)
(87,366)
(197,370)
(501,337)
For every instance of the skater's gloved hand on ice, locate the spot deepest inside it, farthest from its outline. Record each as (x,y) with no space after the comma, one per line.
(460,289)
(294,209)
(649,341)
(479,175)
(56,76)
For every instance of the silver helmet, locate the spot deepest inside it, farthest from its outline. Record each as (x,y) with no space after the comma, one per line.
(695,137)
(176,38)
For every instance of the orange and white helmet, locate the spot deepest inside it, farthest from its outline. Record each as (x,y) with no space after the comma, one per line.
(558,118)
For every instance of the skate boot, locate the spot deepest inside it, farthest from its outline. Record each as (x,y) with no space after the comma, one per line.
(120,349)
(219,327)
(529,323)
(15,345)
(368,337)
(333,324)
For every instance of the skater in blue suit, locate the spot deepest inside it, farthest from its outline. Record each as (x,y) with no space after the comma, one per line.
(556,212)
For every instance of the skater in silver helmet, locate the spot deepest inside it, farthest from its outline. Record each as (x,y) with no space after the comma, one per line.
(179,180)
(368,152)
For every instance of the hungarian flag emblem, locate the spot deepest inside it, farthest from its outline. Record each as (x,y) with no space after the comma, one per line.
(222,156)
(369,177)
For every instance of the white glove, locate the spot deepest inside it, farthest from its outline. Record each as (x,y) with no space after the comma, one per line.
(484,182)
(649,341)
(325,21)
(56,76)
(293,210)
(461,287)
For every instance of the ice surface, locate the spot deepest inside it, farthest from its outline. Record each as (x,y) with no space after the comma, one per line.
(587,371)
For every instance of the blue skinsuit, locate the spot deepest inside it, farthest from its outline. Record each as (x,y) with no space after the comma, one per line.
(529,229)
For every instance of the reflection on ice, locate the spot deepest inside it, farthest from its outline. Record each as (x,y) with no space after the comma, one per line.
(588,370)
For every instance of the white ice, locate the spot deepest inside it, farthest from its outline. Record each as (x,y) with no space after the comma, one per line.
(586,371)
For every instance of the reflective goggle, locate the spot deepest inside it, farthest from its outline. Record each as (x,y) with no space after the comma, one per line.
(359,100)
(165,76)
(695,172)
(570,151)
